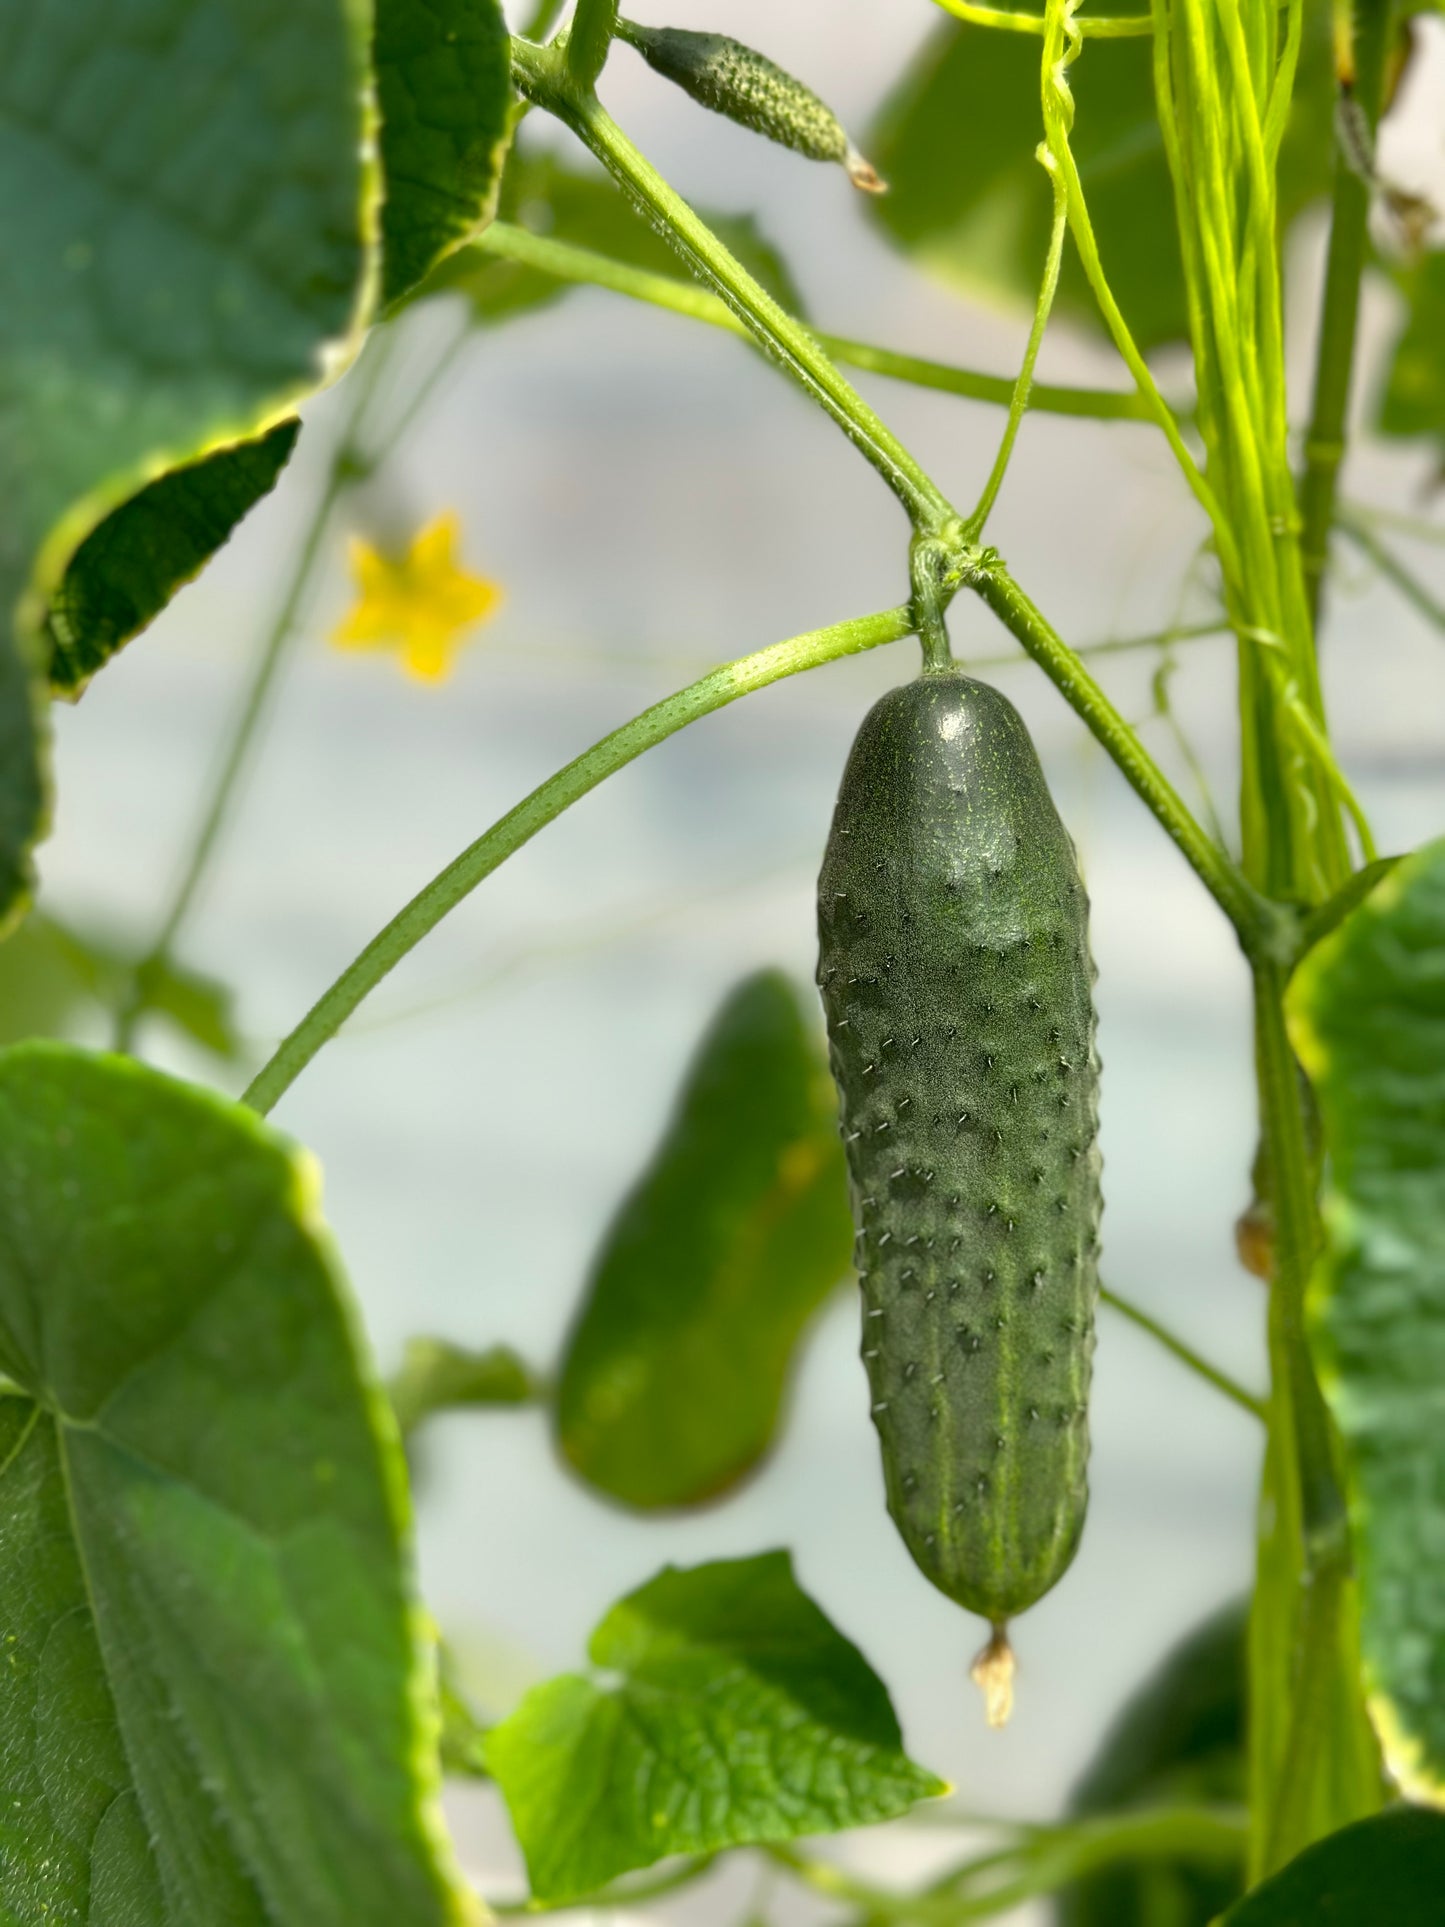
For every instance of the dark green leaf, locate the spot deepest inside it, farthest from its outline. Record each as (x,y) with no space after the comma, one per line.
(1388,1869)
(1414,398)
(1367,1014)
(438,1377)
(443,82)
(184,196)
(463,1741)
(211,1706)
(737,1713)
(1179,1739)
(539,191)
(130,565)
(674,1374)
(55,981)
(971,203)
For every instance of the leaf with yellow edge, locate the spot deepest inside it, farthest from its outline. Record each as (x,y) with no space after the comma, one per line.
(186,198)
(1367,1016)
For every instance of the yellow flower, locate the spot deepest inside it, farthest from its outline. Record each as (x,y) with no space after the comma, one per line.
(419,603)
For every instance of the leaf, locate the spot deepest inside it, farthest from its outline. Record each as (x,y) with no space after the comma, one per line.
(1179,1739)
(185,196)
(54,981)
(1367,1016)
(212,1706)
(541,192)
(443,82)
(737,1713)
(131,564)
(969,201)
(1390,1867)
(439,1377)
(673,1378)
(1414,399)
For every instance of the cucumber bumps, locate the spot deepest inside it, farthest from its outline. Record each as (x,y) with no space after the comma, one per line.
(955,972)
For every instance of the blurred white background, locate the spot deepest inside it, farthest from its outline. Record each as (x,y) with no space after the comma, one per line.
(654,499)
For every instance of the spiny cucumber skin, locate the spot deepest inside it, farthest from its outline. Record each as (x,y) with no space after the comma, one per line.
(956,979)
(737,81)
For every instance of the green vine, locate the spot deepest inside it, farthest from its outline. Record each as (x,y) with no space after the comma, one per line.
(544,806)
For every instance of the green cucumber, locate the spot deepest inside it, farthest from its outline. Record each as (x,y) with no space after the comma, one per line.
(735,80)
(956,979)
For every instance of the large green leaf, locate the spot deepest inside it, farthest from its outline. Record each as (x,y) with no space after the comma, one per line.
(443,82)
(1179,1738)
(1388,1869)
(131,564)
(957,139)
(184,197)
(214,1703)
(1367,1014)
(675,1371)
(542,192)
(736,1712)
(1414,399)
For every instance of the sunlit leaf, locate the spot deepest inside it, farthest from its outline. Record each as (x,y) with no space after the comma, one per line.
(1390,1868)
(185,196)
(734,1712)
(212,1702)
(131,564)
(443,82)
(1368,1020)
(674,1375)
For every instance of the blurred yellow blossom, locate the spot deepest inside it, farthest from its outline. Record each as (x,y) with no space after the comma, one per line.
(419,603)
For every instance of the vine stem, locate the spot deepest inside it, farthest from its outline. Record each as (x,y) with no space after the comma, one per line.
(1124,26)
(582,266)
(1019,401)
(1302,1428)
(1186,1354)
(547,802)
(542,19)
(622,1896)
(1394,571)
(1045,1859)
(593,25)
(1257,922)
(540,74)
(1340,301)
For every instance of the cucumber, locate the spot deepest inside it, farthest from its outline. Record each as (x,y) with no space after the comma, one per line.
(956,979)
(730,78)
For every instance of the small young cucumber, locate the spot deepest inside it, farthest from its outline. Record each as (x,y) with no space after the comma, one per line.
(736,80)
(956,980)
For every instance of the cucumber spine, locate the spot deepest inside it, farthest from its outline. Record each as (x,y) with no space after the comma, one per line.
(956,981)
